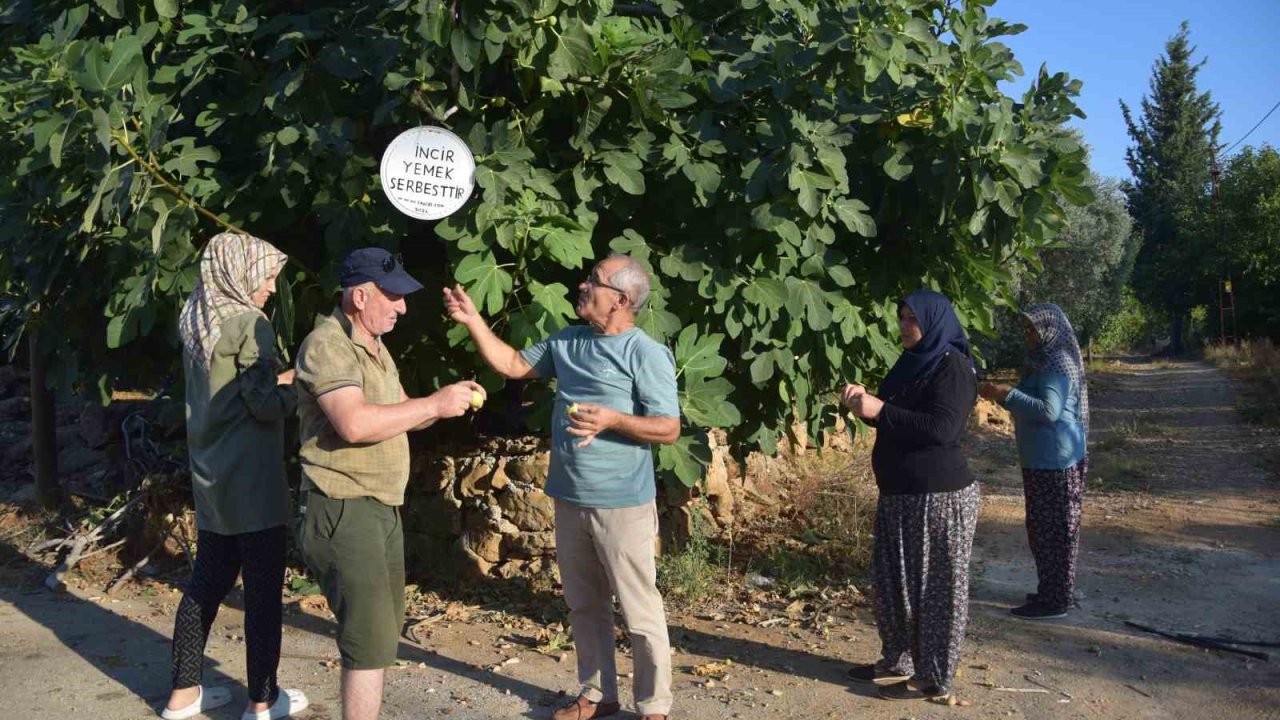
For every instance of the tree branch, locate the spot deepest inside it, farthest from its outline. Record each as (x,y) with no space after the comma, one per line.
(173,187)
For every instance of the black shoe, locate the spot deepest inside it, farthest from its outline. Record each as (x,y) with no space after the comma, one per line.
(1036,610)
(904,691)
(871,674)
(1035,597)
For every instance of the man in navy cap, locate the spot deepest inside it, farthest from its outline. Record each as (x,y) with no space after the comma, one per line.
(355,466)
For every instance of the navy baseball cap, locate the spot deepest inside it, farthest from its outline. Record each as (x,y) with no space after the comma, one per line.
(380,267)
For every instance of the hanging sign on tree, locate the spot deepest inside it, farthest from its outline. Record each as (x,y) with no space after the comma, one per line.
(428,173)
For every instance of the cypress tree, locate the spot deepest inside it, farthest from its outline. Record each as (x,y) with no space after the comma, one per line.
(1173,145)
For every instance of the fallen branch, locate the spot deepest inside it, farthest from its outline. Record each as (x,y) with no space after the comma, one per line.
(1200,642)
(1022,690)
(1033,681)
(999,688)
(101,550)
(1140,692)
(56,580)
(45,546)
(1233,641)
(140,564)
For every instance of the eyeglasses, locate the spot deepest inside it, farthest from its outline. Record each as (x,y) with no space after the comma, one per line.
(592,279)
(391,261)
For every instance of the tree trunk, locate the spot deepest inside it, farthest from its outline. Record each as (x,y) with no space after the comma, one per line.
(44,446)
(1175,333)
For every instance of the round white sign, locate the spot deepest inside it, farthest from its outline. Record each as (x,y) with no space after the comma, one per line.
(428,173)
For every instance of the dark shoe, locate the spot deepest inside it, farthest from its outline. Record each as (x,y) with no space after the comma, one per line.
(871,674)
(1037,610)
(583,709)
(655,716)
(1035,597)
(905,691)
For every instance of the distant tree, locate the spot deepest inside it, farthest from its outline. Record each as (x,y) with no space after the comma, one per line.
(1171,152)
(1086,271)
(1249,241)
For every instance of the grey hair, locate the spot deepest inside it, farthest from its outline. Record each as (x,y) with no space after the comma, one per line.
(348,304)
(632,279)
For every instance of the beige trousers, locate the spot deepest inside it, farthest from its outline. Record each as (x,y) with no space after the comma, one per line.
(607,553)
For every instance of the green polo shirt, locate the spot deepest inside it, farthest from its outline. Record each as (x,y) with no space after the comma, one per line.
(235,431)
(332,357)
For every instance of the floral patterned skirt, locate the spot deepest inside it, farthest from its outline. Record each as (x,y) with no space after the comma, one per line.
(921,573)
(1053,499)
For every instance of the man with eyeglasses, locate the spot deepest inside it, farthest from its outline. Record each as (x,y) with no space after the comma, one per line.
(616,396)
(355,466)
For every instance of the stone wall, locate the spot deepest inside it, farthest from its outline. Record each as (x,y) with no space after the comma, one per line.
(485,515)
(93,459)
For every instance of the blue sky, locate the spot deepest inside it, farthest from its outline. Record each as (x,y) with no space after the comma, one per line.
(1111,46)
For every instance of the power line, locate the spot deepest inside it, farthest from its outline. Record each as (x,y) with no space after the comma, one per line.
(1255,127)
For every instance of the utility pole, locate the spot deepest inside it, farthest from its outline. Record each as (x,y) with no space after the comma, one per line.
(1226,291)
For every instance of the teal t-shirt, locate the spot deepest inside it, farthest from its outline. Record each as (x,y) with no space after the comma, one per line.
(628,372)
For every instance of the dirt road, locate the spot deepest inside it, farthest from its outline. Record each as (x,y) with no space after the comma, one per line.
(1182,533)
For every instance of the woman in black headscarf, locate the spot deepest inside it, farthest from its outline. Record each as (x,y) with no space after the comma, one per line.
(928,505)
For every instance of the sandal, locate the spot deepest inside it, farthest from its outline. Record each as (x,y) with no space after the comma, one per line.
(905,691)
(287,703)
(580,708)
(208,699)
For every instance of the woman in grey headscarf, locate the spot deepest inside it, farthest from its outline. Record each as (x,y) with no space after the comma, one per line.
(238,396)
(1050,410)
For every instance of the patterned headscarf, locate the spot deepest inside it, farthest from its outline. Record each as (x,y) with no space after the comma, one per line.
(1057,350)
(233,267)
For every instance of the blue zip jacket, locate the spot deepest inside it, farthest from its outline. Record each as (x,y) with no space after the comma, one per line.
(1046,417)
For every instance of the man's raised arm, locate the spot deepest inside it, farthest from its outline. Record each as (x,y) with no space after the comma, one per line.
(504,359)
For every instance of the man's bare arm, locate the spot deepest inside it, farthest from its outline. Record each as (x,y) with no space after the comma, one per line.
(590,420)
(360,422)
(504,359)
(655,429)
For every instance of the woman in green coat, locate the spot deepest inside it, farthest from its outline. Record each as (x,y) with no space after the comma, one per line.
(238,396)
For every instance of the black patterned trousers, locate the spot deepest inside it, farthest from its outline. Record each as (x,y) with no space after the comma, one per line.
(921,573)
(1053,501)
(219,559)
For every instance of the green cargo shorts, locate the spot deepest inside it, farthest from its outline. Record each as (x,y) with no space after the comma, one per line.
(355,548)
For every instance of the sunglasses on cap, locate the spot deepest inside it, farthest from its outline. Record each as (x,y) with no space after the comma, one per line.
(392,261)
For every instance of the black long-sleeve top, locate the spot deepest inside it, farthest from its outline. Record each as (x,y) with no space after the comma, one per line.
(918,432)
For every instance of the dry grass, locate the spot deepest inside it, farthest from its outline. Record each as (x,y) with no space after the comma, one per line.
(833,512)
(1257,364)
(818,539)
(1110,365)
(1112,471)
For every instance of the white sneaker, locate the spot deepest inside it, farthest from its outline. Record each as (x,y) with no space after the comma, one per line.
(287,703)
(208,699)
